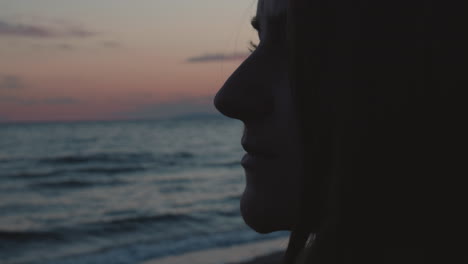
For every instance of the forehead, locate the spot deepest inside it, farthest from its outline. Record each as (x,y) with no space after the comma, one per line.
(269,8)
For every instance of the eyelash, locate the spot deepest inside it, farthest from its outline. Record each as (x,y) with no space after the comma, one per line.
(255,24)
(252,46)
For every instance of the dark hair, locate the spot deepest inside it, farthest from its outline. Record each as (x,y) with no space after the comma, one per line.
(378,89)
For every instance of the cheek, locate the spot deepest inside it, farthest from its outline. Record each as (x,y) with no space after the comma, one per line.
(273,191)
(272,195)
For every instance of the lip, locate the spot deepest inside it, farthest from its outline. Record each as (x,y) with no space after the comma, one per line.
(249,160)
(257,151)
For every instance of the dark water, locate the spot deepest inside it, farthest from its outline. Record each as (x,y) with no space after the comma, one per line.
(119,192)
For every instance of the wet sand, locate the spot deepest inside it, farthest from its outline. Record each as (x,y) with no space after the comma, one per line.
(274,258)
(263,252)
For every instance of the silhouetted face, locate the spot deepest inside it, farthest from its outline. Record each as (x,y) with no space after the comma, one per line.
(258,93)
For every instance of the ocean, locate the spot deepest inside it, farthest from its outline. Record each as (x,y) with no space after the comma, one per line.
(121,192)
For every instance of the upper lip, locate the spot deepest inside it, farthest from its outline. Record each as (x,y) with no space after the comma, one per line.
(257,145)
(257,150)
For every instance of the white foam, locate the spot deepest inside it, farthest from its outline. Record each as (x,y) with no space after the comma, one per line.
(234,254)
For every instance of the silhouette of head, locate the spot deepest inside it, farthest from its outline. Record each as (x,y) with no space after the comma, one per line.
(258,93)
(373,171)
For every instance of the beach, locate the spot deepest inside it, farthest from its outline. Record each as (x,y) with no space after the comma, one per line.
(273,258)
(264,252)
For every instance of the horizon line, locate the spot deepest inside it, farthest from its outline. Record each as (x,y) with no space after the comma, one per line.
(129,119)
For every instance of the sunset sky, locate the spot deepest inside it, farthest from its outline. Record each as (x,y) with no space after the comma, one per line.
(117,59)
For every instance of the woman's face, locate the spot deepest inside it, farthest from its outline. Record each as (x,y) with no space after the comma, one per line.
(258,93)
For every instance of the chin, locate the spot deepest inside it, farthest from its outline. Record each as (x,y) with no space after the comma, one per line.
(264,215)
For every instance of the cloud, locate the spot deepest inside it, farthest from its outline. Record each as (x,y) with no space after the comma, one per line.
(65,46)
(47,101)
(78,32)
(217,57)
(24,30)
(10,82)
(34,31)
(181,107)
(111,44)
(17,100)
(61,101)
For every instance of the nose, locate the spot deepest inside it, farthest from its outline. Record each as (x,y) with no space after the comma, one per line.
(247,95)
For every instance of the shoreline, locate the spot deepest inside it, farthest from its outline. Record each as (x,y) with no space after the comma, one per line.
(272,258)
(262,252)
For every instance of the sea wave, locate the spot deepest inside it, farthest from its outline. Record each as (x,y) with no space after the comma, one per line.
(229,213)
(93,229)
(36,174)
(229,164)
(156,159)
(173,218)
(231,198)
(98,157)
(119,192)
(72,184)
(173,189)
(114,227)
(29,236)
(111,170)
(237,245)
(106,170)
(102,163)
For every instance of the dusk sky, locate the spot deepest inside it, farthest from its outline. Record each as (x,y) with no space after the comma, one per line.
(117,59)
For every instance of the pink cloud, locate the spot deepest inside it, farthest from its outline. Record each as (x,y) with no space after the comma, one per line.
(217,57)
(10,82)
(33,31)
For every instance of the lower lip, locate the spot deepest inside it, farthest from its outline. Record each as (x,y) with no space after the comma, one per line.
(249,160)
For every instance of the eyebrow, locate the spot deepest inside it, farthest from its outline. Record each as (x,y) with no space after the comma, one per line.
(255,21)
